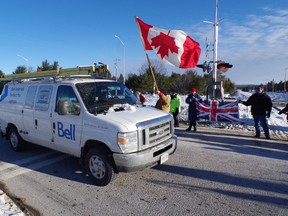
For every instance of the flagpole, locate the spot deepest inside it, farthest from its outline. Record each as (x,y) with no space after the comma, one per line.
(151,70)
(215,56)
(149,63)
(215,53)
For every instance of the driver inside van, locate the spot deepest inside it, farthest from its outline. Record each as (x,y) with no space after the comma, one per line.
(67,102)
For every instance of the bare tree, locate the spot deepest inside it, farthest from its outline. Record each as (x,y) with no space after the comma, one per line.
(158,67)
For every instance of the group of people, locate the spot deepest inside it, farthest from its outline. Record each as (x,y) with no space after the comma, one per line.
(260,102)
(173,106)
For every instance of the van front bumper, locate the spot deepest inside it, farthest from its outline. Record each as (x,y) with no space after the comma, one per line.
(147,158)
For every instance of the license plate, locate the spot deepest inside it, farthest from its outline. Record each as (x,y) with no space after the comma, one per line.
(164,158)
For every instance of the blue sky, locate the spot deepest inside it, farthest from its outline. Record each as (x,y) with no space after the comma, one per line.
(253,35)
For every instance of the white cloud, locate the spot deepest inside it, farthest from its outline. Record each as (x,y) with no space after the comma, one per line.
(255,45)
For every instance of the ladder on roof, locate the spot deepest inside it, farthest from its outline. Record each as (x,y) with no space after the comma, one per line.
(51,75)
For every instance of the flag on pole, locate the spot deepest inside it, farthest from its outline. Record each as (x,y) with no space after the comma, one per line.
(174,47)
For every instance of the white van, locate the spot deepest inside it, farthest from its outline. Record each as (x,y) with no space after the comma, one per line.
(99,121)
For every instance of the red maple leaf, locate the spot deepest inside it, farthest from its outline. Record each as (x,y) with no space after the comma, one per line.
(165,42)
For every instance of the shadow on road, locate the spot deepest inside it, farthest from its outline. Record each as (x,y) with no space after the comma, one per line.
(246,196)
(242,144)
(45,161)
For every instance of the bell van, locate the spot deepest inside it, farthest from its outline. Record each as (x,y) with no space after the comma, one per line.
(99,121)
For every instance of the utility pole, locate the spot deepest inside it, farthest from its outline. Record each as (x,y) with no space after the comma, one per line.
(285,80)
(215,56)
(116,67)
(124,65)
(215,50)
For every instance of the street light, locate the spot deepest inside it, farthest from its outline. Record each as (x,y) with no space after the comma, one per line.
(116,36)
(25,59)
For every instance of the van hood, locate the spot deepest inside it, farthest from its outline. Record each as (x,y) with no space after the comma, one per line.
(129,117)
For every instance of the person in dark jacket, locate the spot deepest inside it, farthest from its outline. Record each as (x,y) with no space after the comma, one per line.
(285,110)
(261,106)
(192,100)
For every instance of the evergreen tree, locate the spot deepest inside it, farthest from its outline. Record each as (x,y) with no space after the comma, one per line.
(20,70)
(45,65)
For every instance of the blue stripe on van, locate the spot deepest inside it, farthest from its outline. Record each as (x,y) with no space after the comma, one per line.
(4,93)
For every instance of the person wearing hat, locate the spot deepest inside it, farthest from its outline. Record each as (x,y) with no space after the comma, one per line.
(261,106)
(175,108)
(192,100)
(163,103)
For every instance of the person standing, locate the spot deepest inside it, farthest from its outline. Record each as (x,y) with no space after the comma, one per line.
(163,103)
(192,99)
(261,106)
(140,97)
(174,108)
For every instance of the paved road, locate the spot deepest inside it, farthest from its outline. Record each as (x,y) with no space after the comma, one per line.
(212,173)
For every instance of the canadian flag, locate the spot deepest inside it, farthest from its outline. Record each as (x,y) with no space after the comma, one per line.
(174,47)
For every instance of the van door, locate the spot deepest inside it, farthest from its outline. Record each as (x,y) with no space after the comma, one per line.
(42,116)
(28,132)
(67,121)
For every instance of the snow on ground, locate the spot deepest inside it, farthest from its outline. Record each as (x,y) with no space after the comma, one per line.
(278,123)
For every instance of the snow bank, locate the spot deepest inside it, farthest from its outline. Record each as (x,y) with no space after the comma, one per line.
(278,123)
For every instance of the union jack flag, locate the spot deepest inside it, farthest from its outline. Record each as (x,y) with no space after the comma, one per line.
(218,111)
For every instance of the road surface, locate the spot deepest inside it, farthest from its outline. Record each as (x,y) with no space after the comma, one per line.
(213,172)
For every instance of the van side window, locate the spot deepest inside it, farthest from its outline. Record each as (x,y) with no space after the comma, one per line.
(30,97)
(43,98)
(66,101)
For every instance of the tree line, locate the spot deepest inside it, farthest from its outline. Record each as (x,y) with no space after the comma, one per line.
(271,86)
(23,69)
(179,83)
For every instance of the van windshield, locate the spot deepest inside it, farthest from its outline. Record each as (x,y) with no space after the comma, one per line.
(98,97)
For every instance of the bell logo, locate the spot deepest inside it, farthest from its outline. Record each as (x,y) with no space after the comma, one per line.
(161,132)
(68,133)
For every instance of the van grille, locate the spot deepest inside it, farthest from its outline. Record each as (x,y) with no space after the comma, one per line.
(154,132)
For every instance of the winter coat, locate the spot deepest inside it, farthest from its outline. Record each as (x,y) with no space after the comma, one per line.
(192,100)
(174,105)
(142,99)
(163,102)
(261,104)
(284,110)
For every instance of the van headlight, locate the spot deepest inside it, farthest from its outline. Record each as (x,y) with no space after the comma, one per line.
(128,142)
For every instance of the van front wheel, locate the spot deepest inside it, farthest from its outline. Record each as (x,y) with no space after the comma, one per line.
(99,167)
(15,140)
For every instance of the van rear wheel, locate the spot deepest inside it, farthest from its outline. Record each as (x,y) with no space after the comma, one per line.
(15,140)
(99,167)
